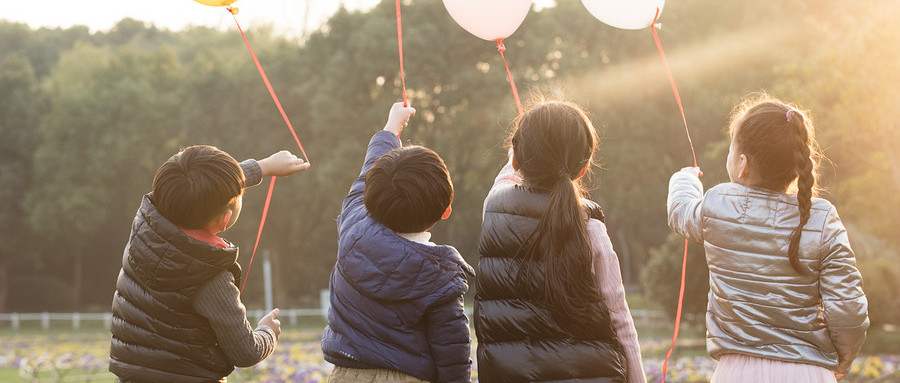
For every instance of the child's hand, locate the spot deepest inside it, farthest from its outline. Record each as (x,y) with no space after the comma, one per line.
(839,375)
(693,170)
(272,323)
(281,164)
(398,118)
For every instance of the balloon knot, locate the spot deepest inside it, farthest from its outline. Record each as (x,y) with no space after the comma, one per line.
(232,10)
(658,26)
(500,47)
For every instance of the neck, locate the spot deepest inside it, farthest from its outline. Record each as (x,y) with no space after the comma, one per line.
(205,235)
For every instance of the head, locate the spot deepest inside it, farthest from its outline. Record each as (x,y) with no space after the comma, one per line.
(773,147)
(553,147)
(409,189)
(199,187)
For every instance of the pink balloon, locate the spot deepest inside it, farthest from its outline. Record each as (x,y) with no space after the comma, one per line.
(489,19)
(625,14)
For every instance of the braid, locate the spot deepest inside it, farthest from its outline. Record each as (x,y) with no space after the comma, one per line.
(805,183)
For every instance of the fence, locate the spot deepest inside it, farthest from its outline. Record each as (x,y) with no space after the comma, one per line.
(15,320)
(642,318)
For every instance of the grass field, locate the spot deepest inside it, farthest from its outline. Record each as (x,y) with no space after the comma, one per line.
(83,356)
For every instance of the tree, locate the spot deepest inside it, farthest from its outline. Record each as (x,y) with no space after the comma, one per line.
(19,100)
(107,128)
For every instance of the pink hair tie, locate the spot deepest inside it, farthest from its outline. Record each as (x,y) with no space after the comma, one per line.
(788,115)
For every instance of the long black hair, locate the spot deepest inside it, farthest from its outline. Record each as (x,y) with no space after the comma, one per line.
(552,143)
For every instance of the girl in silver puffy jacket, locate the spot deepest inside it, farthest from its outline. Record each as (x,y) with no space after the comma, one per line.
(785,297)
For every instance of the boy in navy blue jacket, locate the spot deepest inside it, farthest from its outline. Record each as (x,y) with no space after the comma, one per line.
(397,299)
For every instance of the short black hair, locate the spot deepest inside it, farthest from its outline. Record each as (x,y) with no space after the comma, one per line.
(408,189)
(195,185)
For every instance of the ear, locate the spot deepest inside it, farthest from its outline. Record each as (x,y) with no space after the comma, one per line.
(515,163)
(447,212)
(226,217)
(743,167)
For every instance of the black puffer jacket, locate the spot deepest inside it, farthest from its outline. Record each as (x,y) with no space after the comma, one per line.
(157,334)
(518,338)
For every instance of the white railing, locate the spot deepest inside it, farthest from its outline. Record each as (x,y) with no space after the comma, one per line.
(643,318)
(16,320)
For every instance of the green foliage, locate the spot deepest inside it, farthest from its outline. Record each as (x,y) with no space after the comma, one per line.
(106,108)
(19,110)
(661,278)
(881,282)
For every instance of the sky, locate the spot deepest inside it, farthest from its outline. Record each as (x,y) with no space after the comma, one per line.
(286,16)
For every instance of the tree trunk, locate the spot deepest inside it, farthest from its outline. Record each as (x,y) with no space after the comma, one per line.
(4,286)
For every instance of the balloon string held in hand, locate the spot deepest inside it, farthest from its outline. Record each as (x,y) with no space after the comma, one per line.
(262,73)
(400,49)
(662,55)
(512,83)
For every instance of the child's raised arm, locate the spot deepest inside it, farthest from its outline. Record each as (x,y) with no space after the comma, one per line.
(683,203)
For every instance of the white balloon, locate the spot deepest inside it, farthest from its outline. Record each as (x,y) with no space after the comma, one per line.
(625,14)
(489,19)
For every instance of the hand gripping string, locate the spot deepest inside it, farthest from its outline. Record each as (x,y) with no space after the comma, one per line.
(662,55)
(400,48)
(512,83)
(287,121)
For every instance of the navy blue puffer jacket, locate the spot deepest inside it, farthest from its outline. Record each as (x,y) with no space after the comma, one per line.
(395,304)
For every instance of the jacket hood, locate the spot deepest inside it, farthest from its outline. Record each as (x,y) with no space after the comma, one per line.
(384,265)
(164,258)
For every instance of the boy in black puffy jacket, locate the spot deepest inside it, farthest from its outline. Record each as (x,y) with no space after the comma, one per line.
(177,314)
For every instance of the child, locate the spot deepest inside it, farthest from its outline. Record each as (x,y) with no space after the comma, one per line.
(396,310)
(786,299)
(177,314)
(550,304)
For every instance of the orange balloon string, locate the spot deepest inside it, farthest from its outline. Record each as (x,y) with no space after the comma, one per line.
(400,48)
(287,121)
(662,55)
(512,83)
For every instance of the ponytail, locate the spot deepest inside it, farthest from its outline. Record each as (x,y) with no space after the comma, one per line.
(805,184)
(553,142)
(569,286)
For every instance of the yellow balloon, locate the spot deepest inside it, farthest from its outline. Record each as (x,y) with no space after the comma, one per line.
(215,3)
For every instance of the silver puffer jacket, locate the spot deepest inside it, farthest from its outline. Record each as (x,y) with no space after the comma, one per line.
(758,304)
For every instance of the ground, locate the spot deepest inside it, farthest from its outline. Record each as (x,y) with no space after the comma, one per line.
(60,355)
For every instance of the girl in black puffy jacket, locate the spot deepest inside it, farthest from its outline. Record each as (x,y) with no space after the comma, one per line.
(550,305)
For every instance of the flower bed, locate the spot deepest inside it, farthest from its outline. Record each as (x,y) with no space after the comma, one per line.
(298,358)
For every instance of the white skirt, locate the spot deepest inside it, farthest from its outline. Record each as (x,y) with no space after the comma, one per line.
(735,368)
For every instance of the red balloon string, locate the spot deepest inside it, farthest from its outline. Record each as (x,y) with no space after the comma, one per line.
(512,83)
(677,312)
(262,73)
(400,46)
(262,223)
(662,55)
(265,78)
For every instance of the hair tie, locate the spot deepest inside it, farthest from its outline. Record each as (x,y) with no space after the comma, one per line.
(788,115)
(564,173)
